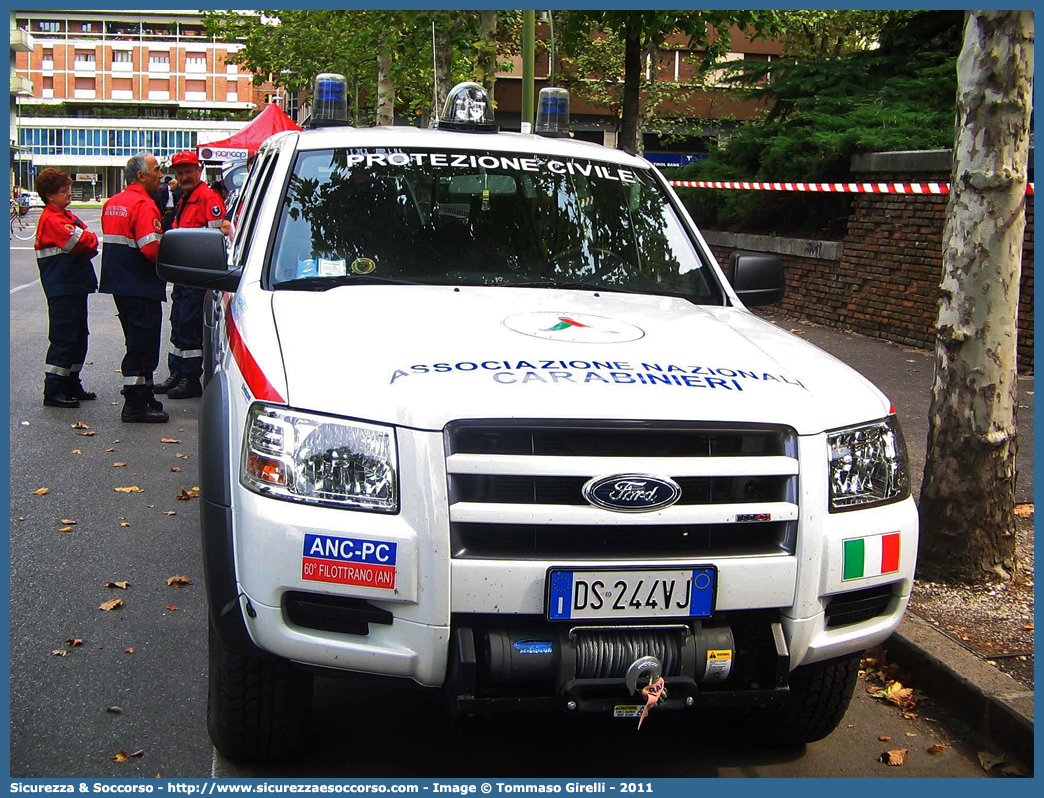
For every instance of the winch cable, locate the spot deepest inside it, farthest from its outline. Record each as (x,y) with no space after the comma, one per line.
(604,654)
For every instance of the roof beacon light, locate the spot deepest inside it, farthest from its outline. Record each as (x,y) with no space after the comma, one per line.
(330,105)
(552,117)
(468,108)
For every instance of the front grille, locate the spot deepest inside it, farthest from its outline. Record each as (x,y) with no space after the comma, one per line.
(515,489)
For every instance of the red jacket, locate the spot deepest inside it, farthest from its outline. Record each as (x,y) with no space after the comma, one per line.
(131,232)
(203,207)
(64,248)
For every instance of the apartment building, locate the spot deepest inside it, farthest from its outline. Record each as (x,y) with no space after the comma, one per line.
(108,84)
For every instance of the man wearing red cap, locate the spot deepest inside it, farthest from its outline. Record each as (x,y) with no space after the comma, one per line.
(200,206)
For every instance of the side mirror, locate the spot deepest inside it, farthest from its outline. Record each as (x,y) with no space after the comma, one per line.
(757,278)
(196,257)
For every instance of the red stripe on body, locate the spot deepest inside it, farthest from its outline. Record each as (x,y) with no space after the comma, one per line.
(256,380)
(890,553)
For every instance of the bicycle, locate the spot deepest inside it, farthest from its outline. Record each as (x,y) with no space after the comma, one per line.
(23,226)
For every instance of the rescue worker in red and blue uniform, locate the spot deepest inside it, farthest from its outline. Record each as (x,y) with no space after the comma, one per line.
(131,231)
(199,206)
(64,248)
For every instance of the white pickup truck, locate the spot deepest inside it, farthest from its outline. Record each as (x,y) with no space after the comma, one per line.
(484,413)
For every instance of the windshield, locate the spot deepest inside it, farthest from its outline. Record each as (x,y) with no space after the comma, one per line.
(481,218)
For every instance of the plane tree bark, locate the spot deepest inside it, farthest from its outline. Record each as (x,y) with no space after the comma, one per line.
(968,495)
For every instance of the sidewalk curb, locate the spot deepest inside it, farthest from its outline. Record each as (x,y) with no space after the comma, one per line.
(994,704)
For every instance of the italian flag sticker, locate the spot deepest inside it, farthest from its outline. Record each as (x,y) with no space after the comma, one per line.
(871,556)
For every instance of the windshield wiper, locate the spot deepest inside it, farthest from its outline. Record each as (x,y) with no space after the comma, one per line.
(326,283)
(581,286)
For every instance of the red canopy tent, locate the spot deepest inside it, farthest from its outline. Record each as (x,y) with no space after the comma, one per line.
(244,144)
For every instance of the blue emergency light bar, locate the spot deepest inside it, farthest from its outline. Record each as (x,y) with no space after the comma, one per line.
(552,117)
(330,104)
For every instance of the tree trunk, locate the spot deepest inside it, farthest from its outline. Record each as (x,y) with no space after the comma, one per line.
(968,496)
(486,55)
(385,89)
(632,80)
(443,62)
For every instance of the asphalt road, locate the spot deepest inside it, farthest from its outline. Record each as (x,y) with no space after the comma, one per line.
(60,725)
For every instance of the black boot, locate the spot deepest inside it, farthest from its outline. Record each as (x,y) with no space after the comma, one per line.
(187,388)
(138,409)
(60,400)
(167,384)
(77,391)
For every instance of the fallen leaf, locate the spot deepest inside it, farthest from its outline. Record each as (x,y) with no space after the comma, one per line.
(111,605)
(77,451)
(87,434)
(169,440)
(938,748)
(123,756)
(114,710)
(185,495)
(115,442)
(68,521)
(175,469)
(41,491)
(21,518)
(182,456)
(178,581)
(59,652)
(79,425)
(911,734)
(989,760)
(895,757)
(1010,770)
(124,524)
(172,608)
(181,429)
(65,529)
(1024,510)
(120,585)
(169,512)
(128,651)
(110,449)
(1027,627)
(884,738)
(130,489)
(118,465)
(73,642)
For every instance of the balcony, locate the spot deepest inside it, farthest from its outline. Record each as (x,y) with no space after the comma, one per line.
(21,41)
(122,66)
(85,94)
(21,87)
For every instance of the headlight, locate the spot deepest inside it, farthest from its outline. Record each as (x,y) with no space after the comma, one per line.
(868,465)
(318,459)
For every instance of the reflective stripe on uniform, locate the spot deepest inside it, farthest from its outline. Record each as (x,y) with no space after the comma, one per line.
(216,223)
(127,241)
(136,381)
(187,353)
(74,238)
(75,368)
(47,253)
(61,372)
(145,240)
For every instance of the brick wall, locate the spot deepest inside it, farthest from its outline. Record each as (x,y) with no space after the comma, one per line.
(885,282)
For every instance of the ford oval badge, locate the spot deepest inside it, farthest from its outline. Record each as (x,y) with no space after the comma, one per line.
(632,493)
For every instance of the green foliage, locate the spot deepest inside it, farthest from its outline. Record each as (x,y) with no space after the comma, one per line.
(898,96)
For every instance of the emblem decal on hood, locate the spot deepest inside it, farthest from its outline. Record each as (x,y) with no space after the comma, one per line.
(577,328)
(632,493)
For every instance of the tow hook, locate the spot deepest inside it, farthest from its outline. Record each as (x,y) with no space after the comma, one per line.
(654,690)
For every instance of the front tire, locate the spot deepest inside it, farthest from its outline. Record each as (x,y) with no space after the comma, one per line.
(819,697)
(257,707)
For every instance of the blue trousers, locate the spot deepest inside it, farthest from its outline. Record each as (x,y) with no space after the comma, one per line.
(67,333)
(186,331)
(142,321)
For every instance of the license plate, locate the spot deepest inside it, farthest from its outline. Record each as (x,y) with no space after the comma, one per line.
(637,593)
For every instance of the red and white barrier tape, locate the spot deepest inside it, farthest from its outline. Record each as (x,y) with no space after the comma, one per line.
(828,188)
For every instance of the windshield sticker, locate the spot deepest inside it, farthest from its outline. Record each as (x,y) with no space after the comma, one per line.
(608,372)
(363,265)
(462,160)
(332,268)
(576,328)
(347,561)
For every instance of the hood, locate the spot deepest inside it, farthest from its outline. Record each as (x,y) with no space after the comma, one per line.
(422,356)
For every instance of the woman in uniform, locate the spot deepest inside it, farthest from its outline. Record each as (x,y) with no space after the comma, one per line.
(64,248)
